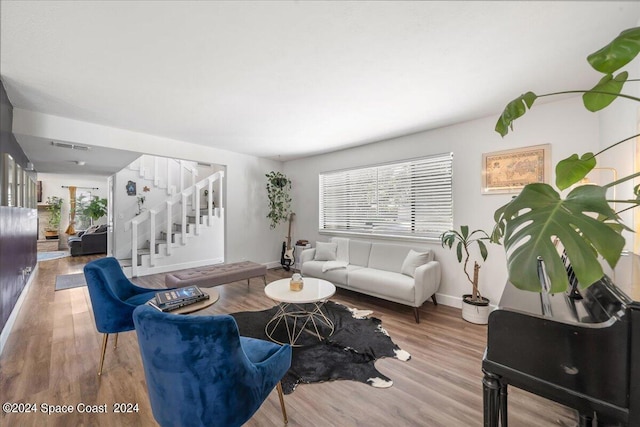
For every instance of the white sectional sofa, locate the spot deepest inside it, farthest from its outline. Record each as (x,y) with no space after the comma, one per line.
(406,274)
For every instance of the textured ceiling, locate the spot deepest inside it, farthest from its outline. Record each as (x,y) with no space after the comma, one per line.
(291,79)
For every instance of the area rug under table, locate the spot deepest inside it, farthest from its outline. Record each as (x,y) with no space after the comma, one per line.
(68,281)
(348,354)
(47,256)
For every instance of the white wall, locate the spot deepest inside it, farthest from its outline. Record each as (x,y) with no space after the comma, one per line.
(565,125)
(52,186)
(247,228)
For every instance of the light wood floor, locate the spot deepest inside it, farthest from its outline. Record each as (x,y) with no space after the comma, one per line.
(52,354)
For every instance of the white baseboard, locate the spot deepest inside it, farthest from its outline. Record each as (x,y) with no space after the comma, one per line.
(4,336)
(453,301)
(273,264)
(448,300)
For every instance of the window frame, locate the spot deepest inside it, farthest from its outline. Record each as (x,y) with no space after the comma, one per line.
(446,160)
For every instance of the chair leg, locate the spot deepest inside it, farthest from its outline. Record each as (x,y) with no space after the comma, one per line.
(105,338)
(264,279)
(281,396)
(115,344)
(248,283)
(416,314)
(433,297)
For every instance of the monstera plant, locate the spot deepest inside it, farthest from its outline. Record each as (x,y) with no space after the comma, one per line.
(583,221)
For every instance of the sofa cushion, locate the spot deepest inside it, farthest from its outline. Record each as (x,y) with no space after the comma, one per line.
(359,251)
(91,229)
(337,276)
(383,283)
(325,251)
(388,257)
(414,260)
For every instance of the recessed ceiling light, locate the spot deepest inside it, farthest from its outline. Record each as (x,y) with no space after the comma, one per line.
(80,162)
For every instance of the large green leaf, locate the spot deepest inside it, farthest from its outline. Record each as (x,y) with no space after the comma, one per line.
(605,92)
(618,53)
(573,169)
(538,215)
(513,110)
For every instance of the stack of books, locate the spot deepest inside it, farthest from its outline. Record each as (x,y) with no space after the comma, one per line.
(173,299)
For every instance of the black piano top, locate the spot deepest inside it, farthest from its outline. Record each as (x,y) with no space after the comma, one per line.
(600,302)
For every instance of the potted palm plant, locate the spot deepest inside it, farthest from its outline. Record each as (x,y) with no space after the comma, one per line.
(54,207)
(475,307)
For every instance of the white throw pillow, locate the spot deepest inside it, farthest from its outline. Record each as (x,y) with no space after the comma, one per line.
(91,229)
(414,260)
(325,251)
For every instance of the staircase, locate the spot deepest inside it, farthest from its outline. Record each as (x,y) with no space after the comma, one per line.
(183,230)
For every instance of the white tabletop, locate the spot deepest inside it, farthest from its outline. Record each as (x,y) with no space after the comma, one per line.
(314,290)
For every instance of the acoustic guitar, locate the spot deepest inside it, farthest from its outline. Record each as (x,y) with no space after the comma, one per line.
(287,258)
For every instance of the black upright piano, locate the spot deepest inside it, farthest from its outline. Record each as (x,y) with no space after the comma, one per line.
(582,353)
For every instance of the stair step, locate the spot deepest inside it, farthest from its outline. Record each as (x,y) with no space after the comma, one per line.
(125,262)
(144,251)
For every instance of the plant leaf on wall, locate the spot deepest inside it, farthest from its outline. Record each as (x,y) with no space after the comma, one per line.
(618,53)
(514,110)
(572,169)
(605,92)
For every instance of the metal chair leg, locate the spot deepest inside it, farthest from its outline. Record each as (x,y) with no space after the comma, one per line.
(281,396)
(115,344)
(105,338)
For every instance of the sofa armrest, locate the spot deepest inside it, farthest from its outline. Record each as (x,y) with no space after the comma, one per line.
(307,255)
(427,280)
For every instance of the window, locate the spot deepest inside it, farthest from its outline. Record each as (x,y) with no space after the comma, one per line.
(411,198)
(82,221)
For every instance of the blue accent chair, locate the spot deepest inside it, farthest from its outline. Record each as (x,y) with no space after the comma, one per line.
(201,372)
(113,298)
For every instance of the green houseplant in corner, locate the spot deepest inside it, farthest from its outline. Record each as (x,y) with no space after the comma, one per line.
(475,307)
(278,188)
(583,222)
(54,207)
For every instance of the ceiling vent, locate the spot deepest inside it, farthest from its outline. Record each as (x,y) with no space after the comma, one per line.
(71,146)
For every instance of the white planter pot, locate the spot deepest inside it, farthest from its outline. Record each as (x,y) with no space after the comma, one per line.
(477,313)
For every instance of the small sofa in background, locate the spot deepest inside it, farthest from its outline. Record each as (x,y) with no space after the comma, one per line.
(91,241)
(406,274)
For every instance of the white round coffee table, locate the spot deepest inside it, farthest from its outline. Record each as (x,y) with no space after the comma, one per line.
(292,310)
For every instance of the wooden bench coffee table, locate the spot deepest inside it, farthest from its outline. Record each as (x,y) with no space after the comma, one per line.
(214,275)
(299,310)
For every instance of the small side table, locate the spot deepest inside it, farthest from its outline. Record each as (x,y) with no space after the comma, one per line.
(213,298)
(293,313)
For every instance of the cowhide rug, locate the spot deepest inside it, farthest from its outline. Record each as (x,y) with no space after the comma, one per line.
(348,354)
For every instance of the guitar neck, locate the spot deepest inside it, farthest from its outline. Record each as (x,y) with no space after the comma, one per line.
(289,235)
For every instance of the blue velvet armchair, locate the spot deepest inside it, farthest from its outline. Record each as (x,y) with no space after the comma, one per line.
(201,372)
(113,298)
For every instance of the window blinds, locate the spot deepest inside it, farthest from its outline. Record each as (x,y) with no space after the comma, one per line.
(409,198)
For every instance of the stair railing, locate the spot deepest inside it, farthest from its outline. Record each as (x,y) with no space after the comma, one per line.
(149,216)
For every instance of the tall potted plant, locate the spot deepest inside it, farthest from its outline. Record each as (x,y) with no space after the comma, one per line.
(529,224)
(95,209)
(475,307)
(278,188)
(54,207)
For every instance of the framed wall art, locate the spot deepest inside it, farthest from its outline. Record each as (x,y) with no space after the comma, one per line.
(509,171)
